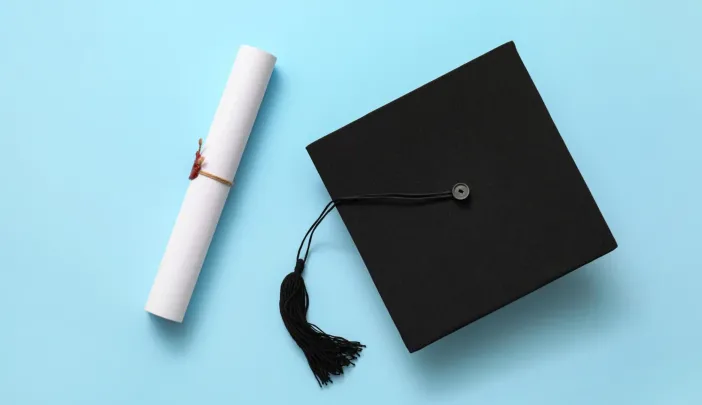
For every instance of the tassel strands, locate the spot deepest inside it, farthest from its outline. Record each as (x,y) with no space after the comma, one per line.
(326,355)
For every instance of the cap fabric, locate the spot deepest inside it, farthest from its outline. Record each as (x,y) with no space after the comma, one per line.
(529,218)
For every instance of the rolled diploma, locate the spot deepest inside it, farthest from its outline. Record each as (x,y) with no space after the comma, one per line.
(205,197)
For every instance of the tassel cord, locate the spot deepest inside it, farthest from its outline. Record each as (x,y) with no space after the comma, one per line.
(363,198)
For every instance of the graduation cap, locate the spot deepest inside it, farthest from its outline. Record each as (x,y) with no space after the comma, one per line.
(460,196)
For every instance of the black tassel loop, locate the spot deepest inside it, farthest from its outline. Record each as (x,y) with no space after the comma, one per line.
(327,355)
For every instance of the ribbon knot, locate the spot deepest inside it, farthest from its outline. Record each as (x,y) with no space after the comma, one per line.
(197,168)
(199,160)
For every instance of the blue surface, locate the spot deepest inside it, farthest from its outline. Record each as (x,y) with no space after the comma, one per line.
(101,104)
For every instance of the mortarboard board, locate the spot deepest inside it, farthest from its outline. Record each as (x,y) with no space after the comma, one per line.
(399,177)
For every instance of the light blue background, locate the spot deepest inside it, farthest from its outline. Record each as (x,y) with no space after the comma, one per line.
(101,104)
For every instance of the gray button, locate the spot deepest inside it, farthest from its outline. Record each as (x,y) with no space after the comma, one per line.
(460,191)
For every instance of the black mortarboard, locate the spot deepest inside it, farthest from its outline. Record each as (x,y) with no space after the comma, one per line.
(439,260)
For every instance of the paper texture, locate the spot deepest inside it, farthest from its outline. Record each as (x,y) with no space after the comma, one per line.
(205,197)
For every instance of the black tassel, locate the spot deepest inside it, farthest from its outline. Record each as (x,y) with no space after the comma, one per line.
(327,355)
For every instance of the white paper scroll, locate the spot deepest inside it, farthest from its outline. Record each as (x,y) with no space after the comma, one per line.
(204,200)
